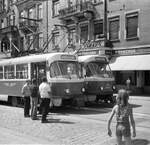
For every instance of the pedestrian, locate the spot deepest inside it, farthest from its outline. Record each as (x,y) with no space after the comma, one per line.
(26,92)
(45,93)
(128,82)
(34,99)
(124,117)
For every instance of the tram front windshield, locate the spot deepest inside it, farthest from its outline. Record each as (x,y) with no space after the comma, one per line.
(98,69)
(64,69)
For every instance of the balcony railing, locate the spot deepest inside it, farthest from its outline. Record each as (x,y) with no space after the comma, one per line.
(77,9)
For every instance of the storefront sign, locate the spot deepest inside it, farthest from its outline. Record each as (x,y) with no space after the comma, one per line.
(132,51)
(90,44)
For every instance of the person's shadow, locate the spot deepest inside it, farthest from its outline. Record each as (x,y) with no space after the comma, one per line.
(139,142)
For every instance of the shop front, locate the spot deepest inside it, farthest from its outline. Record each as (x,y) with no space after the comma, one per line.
(136,68)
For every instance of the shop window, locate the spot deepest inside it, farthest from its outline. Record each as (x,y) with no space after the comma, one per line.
(114,29)
(55,8)
(147,78)
(132,26)
(122,76)
(21,71)
(9,72)
(1,72)
(98,30)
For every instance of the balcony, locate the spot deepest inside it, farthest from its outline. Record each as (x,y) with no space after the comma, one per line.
(77,10)
(28,26)
(8,29)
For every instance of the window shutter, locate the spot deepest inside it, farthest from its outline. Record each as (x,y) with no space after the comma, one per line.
(132,25)
(114,29)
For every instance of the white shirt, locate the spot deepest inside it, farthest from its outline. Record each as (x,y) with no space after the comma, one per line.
(44,90)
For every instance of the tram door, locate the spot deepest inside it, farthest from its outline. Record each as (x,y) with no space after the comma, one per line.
(38,71)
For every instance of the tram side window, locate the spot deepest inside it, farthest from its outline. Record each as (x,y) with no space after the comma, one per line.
(21,71)
(1,72)
(9,72)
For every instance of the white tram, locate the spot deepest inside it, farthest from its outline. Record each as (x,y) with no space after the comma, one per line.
(61,70)
(98,78)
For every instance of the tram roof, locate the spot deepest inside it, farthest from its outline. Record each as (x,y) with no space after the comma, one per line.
(89,58)
(32,58)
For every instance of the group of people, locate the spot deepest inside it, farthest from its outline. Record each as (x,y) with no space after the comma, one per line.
(31,93)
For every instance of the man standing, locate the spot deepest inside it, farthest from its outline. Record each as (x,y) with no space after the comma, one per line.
(34,99)
(45,93)
(26,92)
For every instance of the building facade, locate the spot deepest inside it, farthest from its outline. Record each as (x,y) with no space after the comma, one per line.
(78,25)
(23,27)
(127,29)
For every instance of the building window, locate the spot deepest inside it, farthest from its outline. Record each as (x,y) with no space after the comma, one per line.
(147,78)
(84,33)
(21,71)
(55,7)
(40,40)
(2,23)
(56,39)
(30,42)
(98,30)
(114,29)
(72,3)
(97,1)
(1,72)
(2,5)
(11,20)
(72,36)
(132,25)
(9,72)
(31,15)
(40,11)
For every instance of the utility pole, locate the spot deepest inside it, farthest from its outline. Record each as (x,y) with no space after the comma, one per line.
(47,22)
(105,22)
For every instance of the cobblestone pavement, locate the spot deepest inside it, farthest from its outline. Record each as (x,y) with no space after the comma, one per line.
(68,127)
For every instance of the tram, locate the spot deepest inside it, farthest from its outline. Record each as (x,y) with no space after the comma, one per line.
(61,70)
(99,82)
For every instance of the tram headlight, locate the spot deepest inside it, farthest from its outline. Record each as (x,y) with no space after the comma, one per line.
(101,88)
(114,87)
(67,91)
(83,90)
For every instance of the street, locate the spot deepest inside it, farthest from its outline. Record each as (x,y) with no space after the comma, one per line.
(70,126)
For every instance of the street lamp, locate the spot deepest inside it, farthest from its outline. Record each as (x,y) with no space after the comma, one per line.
(105,22)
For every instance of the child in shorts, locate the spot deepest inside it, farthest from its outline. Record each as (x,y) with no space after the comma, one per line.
(124,117)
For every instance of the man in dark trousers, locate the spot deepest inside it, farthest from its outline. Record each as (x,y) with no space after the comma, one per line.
(45,93)
(26,92)
(34,99)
